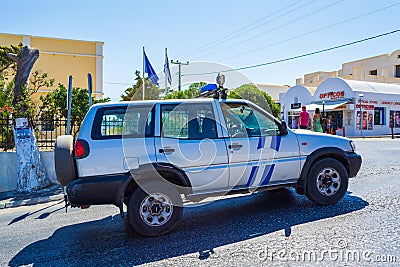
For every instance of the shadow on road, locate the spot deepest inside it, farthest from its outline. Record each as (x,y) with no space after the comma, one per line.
(24,216)
(105,242)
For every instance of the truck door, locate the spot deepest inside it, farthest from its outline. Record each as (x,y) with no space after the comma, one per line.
(189,140)
(254,145)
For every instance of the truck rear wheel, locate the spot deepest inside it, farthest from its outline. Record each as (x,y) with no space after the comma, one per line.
(154,209)
(64,159)
(327,182)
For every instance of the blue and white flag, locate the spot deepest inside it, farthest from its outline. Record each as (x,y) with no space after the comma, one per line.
(166,69)
(149,70)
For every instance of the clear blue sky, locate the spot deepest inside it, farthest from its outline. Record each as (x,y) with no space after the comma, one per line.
(184,26)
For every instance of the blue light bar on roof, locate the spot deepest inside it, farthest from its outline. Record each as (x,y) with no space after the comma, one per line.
(208,88)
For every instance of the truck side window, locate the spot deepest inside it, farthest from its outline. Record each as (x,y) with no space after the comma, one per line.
(245,121)
(115,123)
(192,121)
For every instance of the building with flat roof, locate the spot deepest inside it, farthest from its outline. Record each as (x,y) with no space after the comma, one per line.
(273,90)
(383,68)
(60,58)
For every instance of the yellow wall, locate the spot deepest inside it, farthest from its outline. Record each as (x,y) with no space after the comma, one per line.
(67,46)
(61,58)
(61,66)
(7,39)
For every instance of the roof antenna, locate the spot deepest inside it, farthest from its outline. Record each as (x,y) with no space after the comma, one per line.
(222,91)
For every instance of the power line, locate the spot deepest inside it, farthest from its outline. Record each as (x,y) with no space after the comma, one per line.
(310,32)
(296,57)
(276,28)
(117,83)
(206,46)
(236,33)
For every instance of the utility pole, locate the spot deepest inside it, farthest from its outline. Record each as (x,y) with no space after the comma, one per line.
(179,71)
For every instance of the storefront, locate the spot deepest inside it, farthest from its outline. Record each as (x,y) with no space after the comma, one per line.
(351,108)
(291,103)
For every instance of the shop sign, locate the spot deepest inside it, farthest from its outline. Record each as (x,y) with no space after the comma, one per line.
(394,103)
(332,95)
(295,105)
(365,106)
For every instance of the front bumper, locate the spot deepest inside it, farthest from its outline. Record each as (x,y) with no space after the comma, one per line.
(96,190)
(354,163)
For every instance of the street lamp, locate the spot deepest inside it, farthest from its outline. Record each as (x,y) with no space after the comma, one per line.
(361,118)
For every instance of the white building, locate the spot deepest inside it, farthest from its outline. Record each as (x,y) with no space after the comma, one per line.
(273,90)
(340,100)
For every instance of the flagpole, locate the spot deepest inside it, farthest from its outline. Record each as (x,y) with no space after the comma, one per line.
(165,73)
(144,84)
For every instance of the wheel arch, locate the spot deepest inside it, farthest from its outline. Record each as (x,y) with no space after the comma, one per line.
(321,153)
(156,171)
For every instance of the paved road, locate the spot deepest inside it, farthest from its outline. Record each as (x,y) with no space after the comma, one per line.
(270,227)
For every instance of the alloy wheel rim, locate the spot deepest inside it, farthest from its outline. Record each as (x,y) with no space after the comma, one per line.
(328,181)
(156,209)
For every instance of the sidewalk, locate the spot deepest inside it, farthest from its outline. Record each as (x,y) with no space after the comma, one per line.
(396,136)
(13,199)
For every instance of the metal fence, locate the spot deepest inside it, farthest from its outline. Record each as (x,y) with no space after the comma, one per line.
(46,132)
(6,134)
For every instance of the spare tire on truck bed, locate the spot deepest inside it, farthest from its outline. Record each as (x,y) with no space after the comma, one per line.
(64,159)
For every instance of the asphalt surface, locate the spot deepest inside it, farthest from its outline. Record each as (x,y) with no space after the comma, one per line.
(280,228)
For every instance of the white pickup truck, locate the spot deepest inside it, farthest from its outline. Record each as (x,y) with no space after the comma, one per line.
(149,155)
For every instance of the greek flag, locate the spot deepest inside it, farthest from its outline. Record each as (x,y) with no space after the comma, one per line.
(149,70)
(166,69)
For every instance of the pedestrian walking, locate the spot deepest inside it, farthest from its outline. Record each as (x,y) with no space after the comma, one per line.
(317,121)
(304,118)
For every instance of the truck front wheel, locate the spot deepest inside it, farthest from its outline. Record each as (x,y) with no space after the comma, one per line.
(154,209)
(327,182)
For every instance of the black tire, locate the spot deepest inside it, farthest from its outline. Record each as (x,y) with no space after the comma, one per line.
(140,215)
(327,182)
(64,159)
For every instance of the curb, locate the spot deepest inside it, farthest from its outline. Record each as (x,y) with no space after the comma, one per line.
(32,201)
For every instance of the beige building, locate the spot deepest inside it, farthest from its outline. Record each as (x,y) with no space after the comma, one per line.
(60,58)
(383,68)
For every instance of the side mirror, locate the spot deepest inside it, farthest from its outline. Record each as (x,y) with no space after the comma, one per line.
(284,129)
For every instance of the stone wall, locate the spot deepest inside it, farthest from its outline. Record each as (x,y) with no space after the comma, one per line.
(8,169)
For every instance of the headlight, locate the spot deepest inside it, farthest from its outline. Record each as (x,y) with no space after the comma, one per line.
(353,146)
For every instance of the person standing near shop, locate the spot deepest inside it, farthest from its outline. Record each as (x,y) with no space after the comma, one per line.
(317,121)
(295,122)
(304,118)
(331,124)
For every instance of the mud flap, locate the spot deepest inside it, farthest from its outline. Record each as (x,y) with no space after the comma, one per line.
(121,211)
(66,202)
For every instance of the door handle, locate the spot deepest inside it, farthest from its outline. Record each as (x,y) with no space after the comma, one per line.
(233,146)
(166,150)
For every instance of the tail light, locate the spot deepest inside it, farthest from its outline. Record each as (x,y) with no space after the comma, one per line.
(81,149)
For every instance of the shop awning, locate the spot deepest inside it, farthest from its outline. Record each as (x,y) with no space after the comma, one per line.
(330,106)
